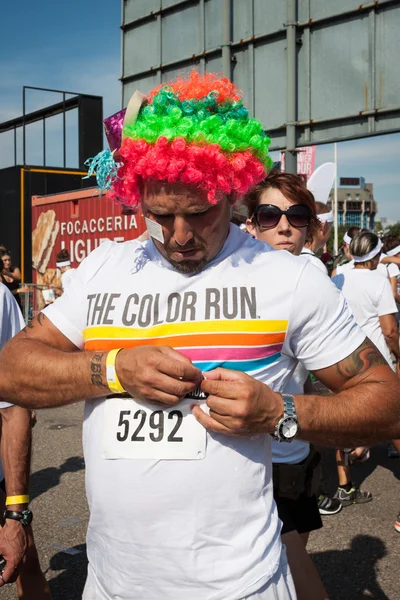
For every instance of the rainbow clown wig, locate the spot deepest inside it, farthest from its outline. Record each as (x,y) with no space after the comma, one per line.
(193,130)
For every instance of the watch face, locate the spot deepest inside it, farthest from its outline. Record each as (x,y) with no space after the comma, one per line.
(289,428)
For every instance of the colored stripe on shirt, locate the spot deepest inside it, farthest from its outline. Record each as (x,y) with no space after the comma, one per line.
(242,345)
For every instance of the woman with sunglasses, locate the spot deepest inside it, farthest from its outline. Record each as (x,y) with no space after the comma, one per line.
(282,213)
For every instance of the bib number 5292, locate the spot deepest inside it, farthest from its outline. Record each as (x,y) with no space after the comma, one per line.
(138,430)
(156,425)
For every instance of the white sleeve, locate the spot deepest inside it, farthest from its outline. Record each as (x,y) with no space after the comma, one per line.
(68,313)
(386,302)
(322,330)
(393,270)
(11,321)
(317,262)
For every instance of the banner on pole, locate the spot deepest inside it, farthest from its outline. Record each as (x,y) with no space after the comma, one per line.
(305,161)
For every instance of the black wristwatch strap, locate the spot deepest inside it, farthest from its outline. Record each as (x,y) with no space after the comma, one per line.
(24,516)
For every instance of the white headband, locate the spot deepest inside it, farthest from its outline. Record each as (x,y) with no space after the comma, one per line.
(370,255)
(325,217)
(65,263)
(347,238)
(394,251)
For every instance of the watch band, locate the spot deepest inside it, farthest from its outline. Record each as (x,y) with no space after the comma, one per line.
(23,516)
(289,412)
(289,407)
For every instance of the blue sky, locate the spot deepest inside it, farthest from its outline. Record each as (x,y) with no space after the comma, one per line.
(76,46)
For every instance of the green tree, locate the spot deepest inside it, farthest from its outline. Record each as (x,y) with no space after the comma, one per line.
(341,231)
(393,230)
(379,228)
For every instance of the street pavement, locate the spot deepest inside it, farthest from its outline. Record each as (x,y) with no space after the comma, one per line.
(357,551)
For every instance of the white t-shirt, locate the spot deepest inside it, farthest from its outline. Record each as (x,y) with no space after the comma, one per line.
(387,269)
(200,529)
(346,267)
(309,254)
(370,297)
(297,450)
(65,277)
(11,322)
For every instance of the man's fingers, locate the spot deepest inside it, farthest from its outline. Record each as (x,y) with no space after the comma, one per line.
(209,423)
(178,366)
(9,574)
(226,407)
(222,389)
(221,374)
(165,388)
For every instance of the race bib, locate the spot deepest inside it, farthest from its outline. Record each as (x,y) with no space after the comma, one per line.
(139,430)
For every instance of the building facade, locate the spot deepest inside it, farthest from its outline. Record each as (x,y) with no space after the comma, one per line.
(356,204)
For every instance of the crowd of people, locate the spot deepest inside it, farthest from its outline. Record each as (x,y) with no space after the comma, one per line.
(214,366)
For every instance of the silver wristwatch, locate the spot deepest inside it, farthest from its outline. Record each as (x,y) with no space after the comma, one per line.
(288,426)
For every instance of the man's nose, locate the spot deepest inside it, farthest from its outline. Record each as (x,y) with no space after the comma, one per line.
(182,231)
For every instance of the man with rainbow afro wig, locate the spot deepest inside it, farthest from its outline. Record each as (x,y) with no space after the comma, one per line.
(182,347)
(193,130)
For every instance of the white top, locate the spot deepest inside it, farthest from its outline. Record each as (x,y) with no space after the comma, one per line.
(388,269)
(200,529)
(309,254)
(11,322)
(65,277)
(370,297)
(297,450)
(343,268)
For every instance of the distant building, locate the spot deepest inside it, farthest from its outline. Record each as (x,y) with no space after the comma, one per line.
(356,204)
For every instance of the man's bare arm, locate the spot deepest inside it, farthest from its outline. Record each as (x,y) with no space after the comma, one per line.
(391,333)
(41,368)
(366,407)
(16,450)
(47,369)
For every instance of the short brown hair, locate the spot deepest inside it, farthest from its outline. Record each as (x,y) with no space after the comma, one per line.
(390,242)
(292,187)
(63,255)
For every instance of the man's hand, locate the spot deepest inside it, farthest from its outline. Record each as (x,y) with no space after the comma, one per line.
(239,404)
(157,374)
(13,544)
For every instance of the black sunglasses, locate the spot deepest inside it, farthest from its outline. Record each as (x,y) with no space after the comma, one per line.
(268,216)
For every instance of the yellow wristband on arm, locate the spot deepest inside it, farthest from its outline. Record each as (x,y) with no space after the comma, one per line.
(112,378)
(11,500)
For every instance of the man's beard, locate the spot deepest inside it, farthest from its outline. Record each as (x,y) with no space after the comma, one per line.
(187,267)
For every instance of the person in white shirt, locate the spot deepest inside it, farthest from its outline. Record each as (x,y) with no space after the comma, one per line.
(371,300)
(345,248)
(389,264)
(320,237)
(298,507)
(182,347)
(17,545)
(63,262)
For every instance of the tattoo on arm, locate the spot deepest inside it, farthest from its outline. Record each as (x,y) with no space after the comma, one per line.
(362,359)
(40,319)
(95,367)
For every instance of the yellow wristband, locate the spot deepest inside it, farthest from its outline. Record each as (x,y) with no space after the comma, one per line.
(11,500)
(112,378)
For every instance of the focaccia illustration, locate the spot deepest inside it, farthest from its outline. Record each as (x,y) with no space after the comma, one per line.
(43,239)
